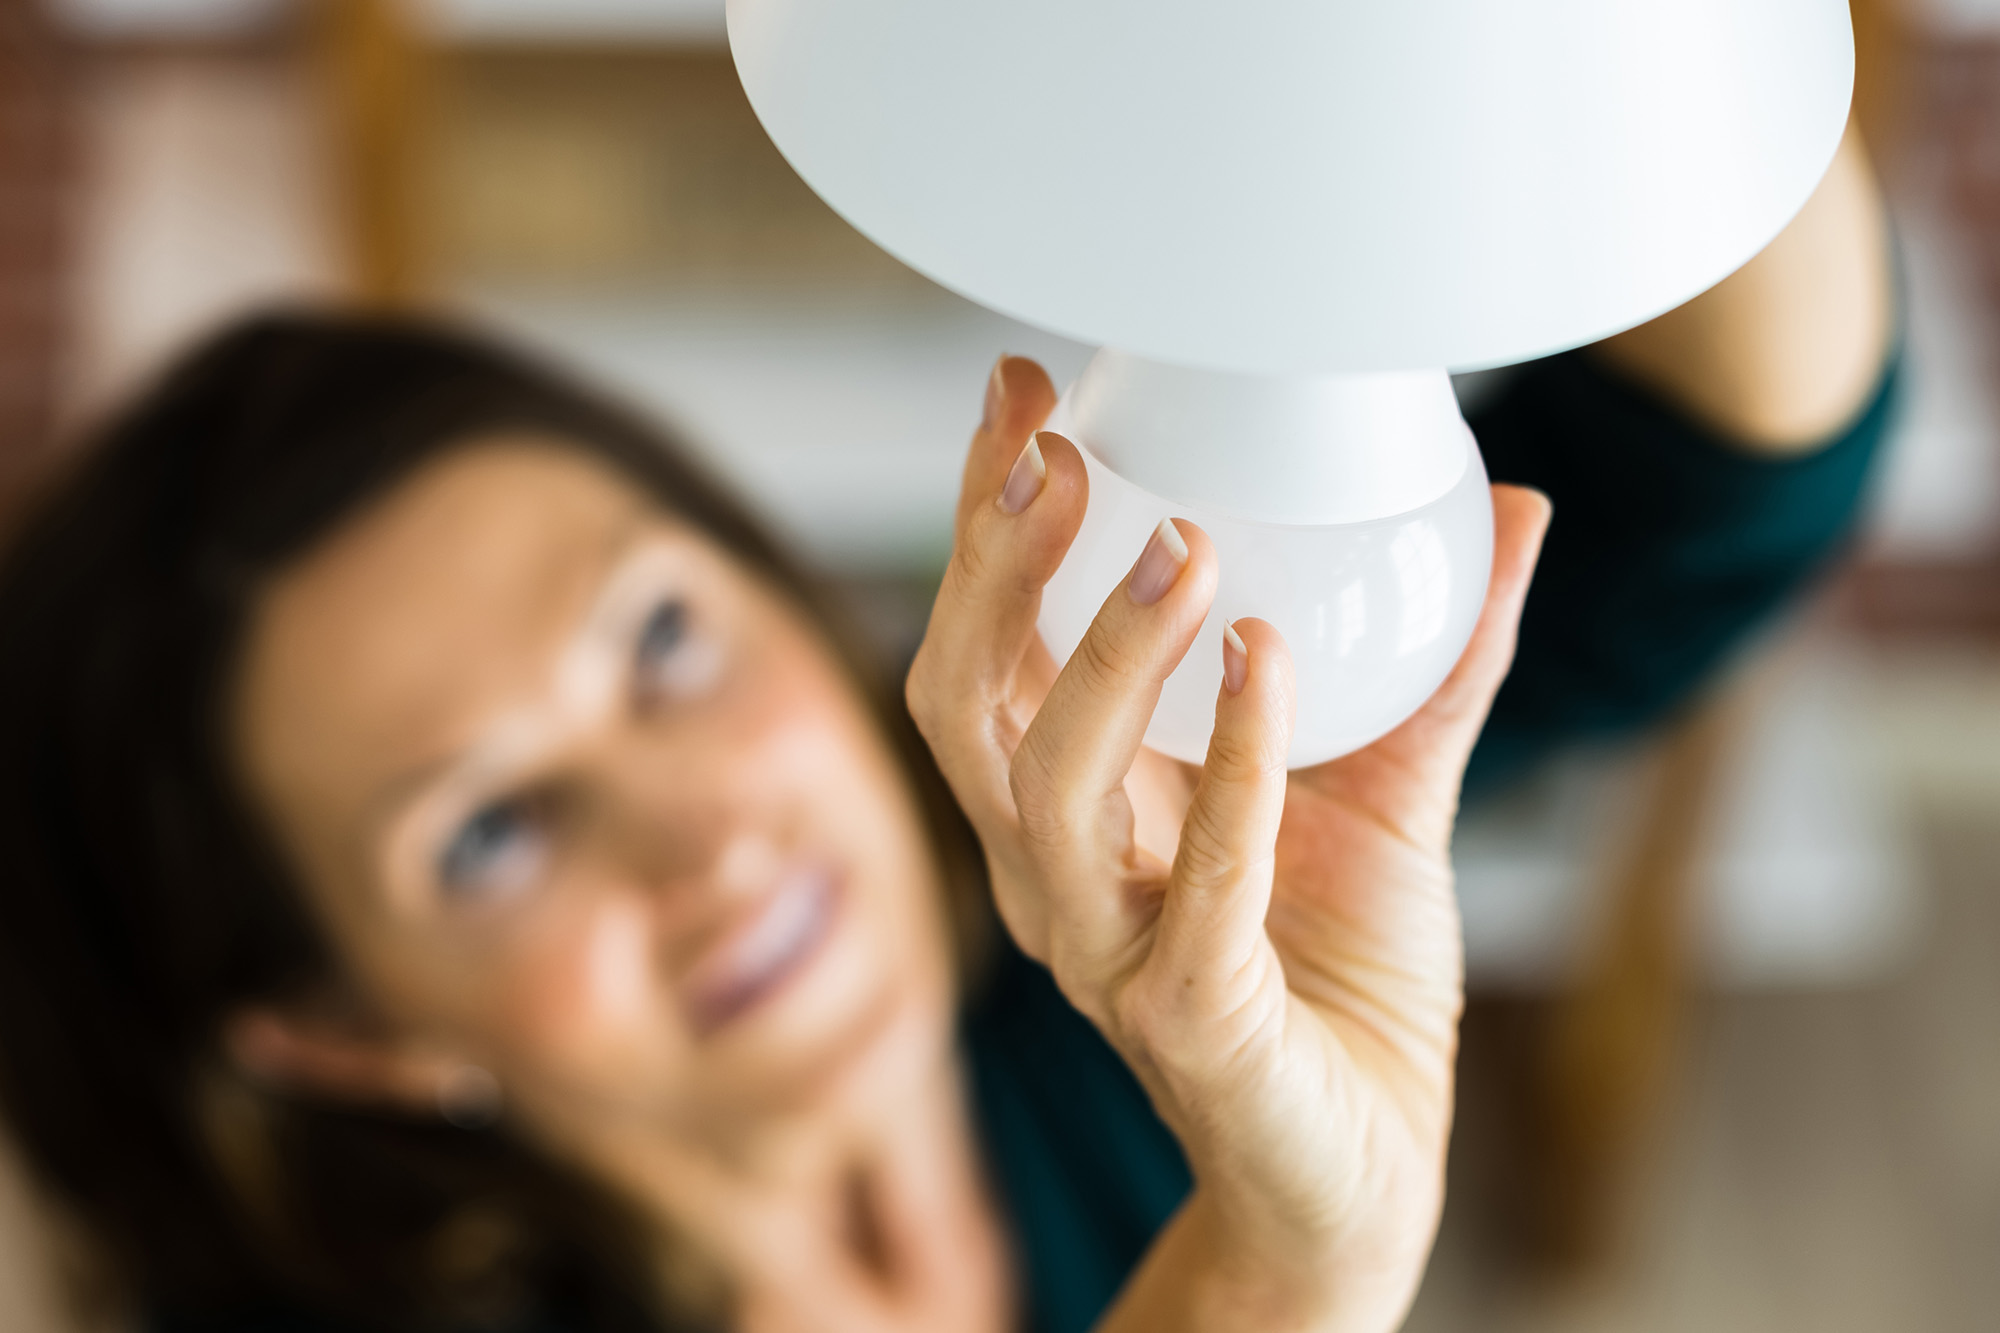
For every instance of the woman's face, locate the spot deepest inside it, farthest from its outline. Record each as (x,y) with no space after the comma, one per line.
(582,801)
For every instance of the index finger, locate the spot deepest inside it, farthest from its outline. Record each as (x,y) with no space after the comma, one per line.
(1019,398)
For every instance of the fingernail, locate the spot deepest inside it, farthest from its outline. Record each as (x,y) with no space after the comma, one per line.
(996,395)
(1235,660)
(1024,479)
(1159,564)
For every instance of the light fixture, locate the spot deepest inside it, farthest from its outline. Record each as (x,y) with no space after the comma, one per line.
(1283,219)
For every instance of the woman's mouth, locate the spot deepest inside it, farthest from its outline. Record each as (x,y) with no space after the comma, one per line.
(758,956)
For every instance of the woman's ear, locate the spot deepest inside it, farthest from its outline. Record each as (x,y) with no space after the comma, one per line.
(336,1060)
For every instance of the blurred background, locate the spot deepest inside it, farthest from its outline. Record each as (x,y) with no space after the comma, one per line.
(1733,1056)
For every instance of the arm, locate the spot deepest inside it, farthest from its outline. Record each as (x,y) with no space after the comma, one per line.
(1275,956)
(1705,465)
(1783,353)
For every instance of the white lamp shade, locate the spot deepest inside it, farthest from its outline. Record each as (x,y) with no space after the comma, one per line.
(1276,186)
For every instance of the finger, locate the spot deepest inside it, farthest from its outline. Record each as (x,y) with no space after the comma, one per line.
(1448,724)
(1019,398)
(961,683)
(1211,925)
(1068,774)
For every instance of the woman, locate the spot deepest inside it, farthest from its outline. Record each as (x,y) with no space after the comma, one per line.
(458,877)
(398,743)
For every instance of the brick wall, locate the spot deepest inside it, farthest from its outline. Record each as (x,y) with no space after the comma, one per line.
(1956,116)
(1937,130)
(34,162)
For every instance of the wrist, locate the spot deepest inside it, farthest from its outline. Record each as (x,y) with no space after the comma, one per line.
(1258,1273)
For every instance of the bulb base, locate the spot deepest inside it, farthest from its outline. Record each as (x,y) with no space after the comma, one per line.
(1304,449)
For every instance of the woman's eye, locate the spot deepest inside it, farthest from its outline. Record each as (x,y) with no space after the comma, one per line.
(661,635)
(673,658)
(502,849)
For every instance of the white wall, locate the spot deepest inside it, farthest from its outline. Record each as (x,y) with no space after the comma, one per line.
(1955,17)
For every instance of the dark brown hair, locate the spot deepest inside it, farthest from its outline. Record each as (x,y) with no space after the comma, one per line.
(140,904)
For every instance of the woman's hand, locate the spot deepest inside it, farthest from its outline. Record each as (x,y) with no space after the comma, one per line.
(1276,957)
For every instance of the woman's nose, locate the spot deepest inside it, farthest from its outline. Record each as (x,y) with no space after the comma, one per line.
(677,822)
(747,862)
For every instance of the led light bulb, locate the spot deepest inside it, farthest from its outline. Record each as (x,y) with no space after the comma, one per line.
(1245,199)
(1373,573)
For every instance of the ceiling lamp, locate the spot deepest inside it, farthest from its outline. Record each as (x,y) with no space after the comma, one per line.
(1284,220)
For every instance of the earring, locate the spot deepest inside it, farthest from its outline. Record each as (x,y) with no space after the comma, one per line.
(469,1097)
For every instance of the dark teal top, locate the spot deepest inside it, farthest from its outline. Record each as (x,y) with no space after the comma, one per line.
(1088,1173)
(1668,549)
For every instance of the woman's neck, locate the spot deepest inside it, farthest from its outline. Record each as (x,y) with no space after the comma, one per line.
(871,1199)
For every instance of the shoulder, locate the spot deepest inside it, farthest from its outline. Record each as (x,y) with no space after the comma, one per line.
(1571,424)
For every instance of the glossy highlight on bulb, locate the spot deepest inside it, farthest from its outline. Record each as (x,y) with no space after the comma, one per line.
(1375,613)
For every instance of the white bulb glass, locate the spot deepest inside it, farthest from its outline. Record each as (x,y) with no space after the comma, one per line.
(1375,611)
